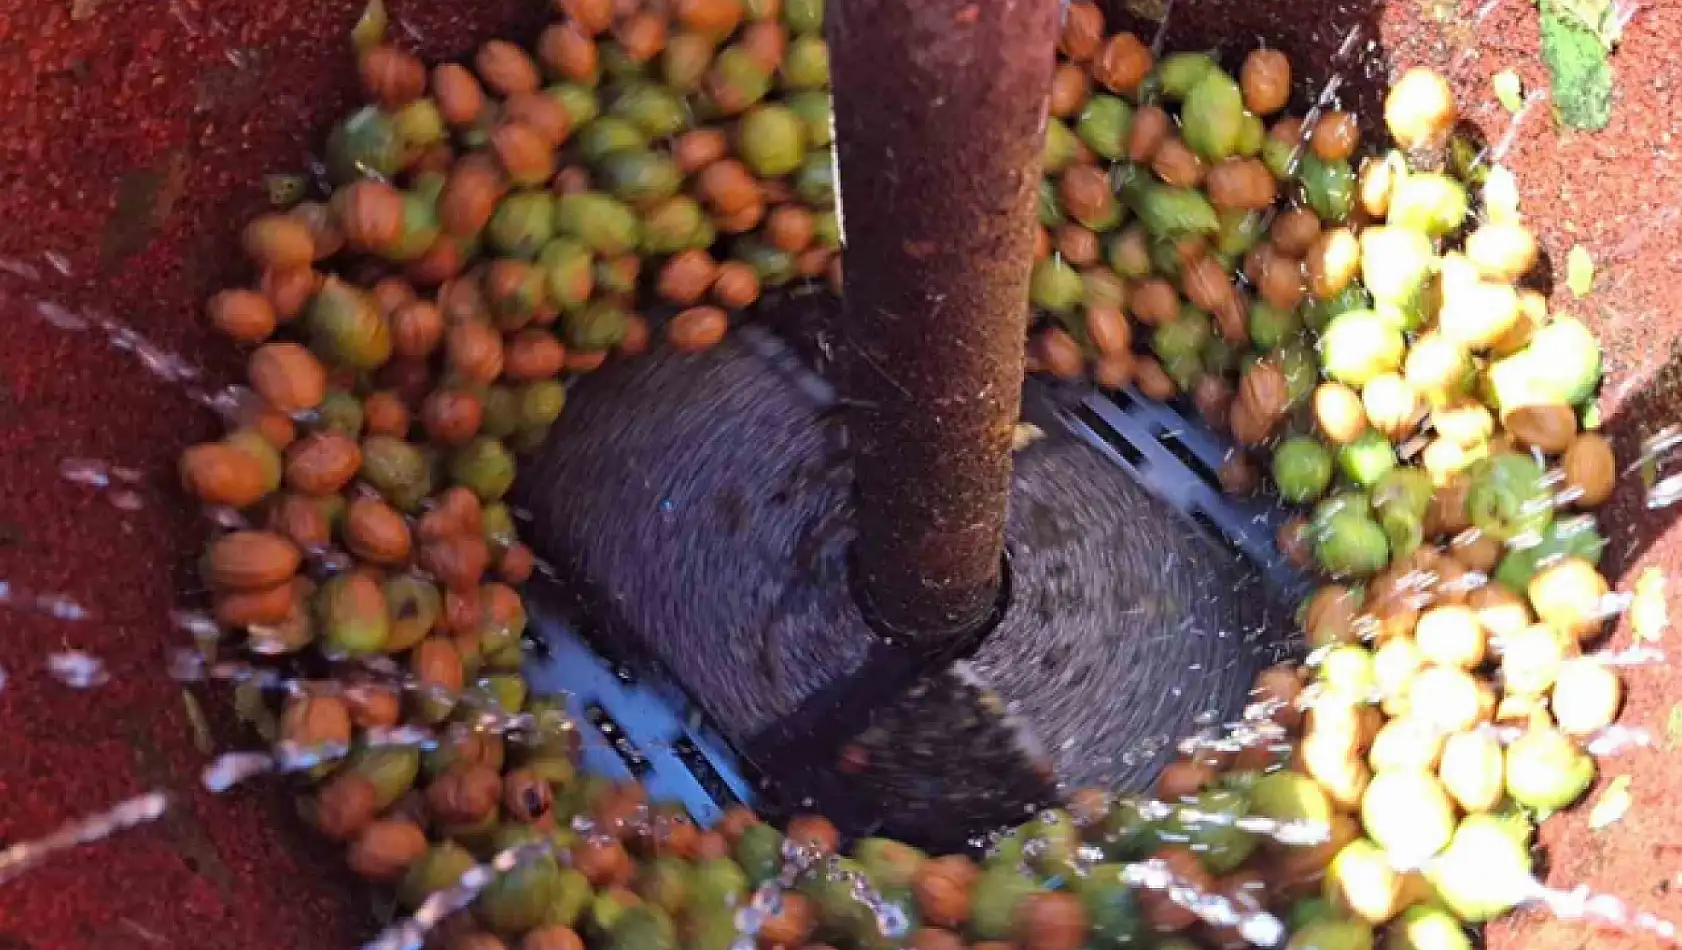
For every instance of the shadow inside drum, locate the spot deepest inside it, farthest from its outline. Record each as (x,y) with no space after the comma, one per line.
(1644,513)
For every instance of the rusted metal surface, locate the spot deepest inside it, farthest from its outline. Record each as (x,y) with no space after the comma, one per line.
(939,112)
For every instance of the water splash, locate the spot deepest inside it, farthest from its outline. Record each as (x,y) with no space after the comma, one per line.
(767,899)
(1257,926)
(1294,833)
(57,606)
(1580,903)
(167,365)
(1665,491)
(800,863)
(1494,154)
(233,768)
(1630,656)
(19,269)
(410,934)
(25,856)
(1161,38)
(114,482)
(77,669)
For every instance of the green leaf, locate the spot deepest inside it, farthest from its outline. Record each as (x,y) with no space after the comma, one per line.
(1612,804)
(1578,68)
(1579,271)
(369,30)
(1509,90)
(1599,17)
(1673,727)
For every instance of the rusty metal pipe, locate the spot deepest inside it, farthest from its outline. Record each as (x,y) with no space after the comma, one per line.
(940,112)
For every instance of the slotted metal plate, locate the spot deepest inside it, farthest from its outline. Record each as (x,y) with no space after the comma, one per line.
(639,724)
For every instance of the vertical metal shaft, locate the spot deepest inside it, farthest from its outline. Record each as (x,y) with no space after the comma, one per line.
(940,112)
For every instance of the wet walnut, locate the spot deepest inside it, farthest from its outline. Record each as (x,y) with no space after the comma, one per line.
(1151,126)
(604,861)
(1122,63)
(391,77)
(1247,429)
(344,806)
(1548,428)
(1591,470)
(244,316)
(526,796)
(464,795)
(322,463)
(287,376)
(314,721)
(506,68)
(735,820)
(1264,392)
(697,329)
(941,888)
(1265,79)
(934,938)
(385,849)
(1330,615)
(370,214)
(552,937)
(814,832)
(1183,779)
(1162,912)
(278,242)
(1241,183)
(1336,135)
(1213,396)
(219,474)
(1239,475)
(1083,31)
(1051,921)
(791,925)
(1060,354)
(375,532)
(251,560)
(1177,165)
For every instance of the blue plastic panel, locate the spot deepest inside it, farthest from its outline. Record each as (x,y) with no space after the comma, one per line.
(1175,457)
(638,726)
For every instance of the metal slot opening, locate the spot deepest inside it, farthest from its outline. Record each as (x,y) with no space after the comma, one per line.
(614,733)
(1171,441)
(1120,397)
(1220,537)
(1102,428)
(701,767)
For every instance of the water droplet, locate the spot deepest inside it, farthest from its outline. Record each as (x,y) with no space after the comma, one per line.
(77,669)
(24,856)
(58,316)
(19,269)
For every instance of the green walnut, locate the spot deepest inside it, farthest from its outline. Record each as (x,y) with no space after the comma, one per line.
(772,140)
(1351,544)
(1302,469)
